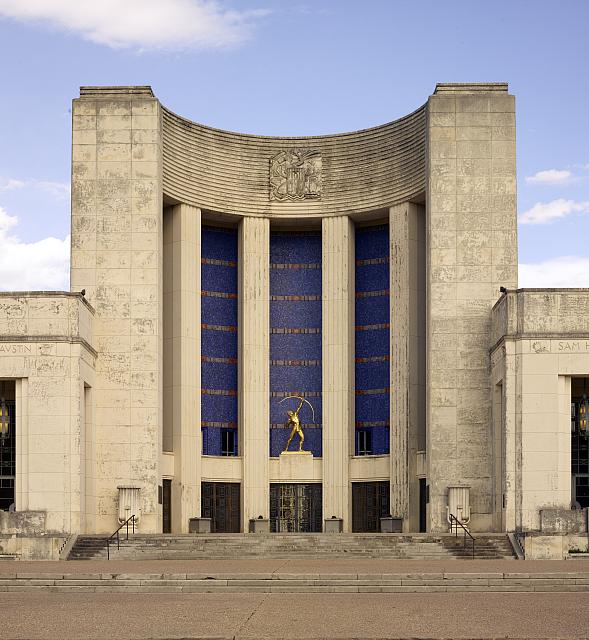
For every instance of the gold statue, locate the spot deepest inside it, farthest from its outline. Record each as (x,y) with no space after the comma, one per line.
(295,423)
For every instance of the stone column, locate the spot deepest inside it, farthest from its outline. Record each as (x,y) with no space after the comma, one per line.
(508,424)
(254,369)
(338,364)
(399,364)
(472,251)
(407,300)
(117,259)
(182,251)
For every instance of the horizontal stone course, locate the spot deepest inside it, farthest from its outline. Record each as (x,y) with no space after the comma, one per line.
(293,582)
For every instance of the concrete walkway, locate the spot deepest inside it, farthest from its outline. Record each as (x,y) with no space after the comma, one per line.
(294,616)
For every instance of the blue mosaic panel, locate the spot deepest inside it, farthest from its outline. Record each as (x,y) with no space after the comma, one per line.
(218,336)
(295,336)
(373,336)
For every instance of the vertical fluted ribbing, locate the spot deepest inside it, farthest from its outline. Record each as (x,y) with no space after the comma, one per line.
(254,354)
(338,368)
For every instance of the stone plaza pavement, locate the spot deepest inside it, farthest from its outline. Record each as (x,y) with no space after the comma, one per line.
(161,609)
(44,616)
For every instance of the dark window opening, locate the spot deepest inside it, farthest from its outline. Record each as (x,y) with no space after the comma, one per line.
(228,442)
(363,442)
(7,445)
(580,441)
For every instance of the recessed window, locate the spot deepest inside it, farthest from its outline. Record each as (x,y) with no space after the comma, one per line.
(363,442)
(228,442)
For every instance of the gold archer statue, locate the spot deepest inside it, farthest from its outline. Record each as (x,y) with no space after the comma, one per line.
(295,423)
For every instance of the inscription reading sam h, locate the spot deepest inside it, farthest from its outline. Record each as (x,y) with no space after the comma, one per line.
(573,345)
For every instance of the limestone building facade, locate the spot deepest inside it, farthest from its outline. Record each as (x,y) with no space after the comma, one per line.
(225,276)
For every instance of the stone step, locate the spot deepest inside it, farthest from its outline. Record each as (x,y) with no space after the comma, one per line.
(423,546)
(455,581)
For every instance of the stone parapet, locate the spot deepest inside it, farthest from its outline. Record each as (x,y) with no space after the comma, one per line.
(41,316)
(548,313)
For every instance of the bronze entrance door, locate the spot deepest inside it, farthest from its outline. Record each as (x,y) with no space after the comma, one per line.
(370,503)
(220,503)
(296,508)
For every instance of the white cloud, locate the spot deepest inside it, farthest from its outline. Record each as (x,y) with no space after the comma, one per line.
(545,212)
(140,24)
(59,190)
(565,271)
(9,184)
(26,266)
(550,176)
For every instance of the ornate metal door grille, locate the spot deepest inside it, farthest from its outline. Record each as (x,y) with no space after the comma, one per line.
(295,508)
(220,502)
(370,503)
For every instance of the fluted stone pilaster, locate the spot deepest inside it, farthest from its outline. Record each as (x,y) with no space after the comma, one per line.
(338,364)
(182,250)
(254,358)
(399,300)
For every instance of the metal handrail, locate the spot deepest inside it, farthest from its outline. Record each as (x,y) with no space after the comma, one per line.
(452,519)
(520,538)
(130,519)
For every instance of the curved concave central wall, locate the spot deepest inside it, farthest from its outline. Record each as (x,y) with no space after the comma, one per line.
(229,172)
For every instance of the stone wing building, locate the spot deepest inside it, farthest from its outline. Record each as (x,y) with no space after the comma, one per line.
(352,280)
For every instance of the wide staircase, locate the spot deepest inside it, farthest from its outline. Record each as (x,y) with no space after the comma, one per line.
(351,545)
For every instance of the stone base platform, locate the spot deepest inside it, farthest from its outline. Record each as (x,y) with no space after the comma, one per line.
(294,577)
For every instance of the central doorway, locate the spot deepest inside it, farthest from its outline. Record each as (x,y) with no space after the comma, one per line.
(296,508)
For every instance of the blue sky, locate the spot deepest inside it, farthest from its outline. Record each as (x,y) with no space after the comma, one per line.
(299,68)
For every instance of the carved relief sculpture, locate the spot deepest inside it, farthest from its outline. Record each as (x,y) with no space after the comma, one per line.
(295,174)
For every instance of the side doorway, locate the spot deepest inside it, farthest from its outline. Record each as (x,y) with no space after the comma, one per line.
(370,503)
(166,505)
(221,503)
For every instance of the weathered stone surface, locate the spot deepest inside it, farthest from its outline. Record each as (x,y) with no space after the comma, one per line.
(563,521)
